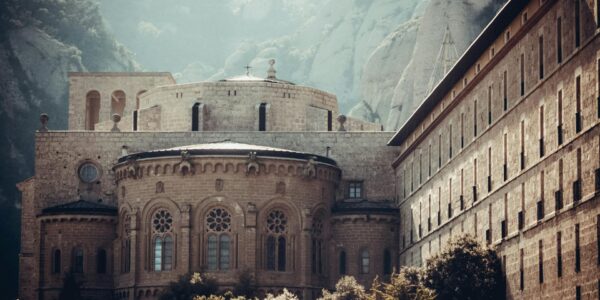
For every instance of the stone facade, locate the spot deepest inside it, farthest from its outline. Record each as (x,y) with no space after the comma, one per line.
(509,152)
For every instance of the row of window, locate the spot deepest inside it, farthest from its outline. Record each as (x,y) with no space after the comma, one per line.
(77,261)
(117,106)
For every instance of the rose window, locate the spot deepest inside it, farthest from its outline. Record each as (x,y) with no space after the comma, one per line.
(276,222)
(162,221)
(218,220)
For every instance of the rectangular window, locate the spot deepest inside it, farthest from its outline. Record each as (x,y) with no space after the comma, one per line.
(450,141)
(489,105)
(559,254)
(577,250)
(489,178)
(439,151)
(577,293)
(504,90)
(598,79)
(429,158)
(577,183)
(355,189)
(522,68)
(558,195)
(598,239)
(262,117)
(578,122)
(541,56)
(521,271)
(541,142)
(577,23)
(420,168)
(540,203)
(522,153)
(450,198)
(329,121)
(540,261)
(559,110)
(474,180)
(462,124)
(475,118)
(505,166)
(559,40)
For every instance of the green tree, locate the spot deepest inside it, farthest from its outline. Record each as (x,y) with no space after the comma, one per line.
(465,270)
(71,289)
(245,286)
(405,285)
(189,286)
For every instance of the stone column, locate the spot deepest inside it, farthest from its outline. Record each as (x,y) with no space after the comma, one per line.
(184,263)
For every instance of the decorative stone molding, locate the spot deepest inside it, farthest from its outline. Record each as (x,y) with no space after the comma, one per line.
(219,183)
(310,169)
(186,166)
(252,164)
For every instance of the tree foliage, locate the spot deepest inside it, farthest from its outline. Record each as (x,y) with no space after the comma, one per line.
(189,287)
(465,270)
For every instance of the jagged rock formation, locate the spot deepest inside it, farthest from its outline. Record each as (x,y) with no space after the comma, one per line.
(396,76)
(40,41)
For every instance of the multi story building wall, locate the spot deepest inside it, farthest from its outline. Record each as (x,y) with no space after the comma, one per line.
(507,149)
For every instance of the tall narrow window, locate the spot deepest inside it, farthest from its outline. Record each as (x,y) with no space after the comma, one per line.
(450,141)
(462,185)
(559,53)
(475,118)
(196,117)
(598,239)
(541,141)
(462,122)
(474,188)
(429,161)
(364,261)
(598,79)
(558,195)
(559,264)
(541,55)
(101,261)
(135,120)
(162,229)
(577,250)
(489,178)
(56,261)
(262,117)
(420,167)
(277,227)
(317,246)
(505,157)
(540,202)
(577,23)
(522,145)
(578,121)
(218,243)
(439,151)
(504,90)
(117,103)
(577,182)
(342,263)
(126,244)
(92,109)
(77,260)
(559,111)
(521,271)
(522,76)
(489,105)
(540,262)
(329,121)
(387,262)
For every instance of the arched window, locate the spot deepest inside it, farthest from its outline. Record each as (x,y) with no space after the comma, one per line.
(101,261)
(317,246)
(162,243)
(387,262)
(56,261)
(364,261)
(126,245)
(277,225)
(262,117)
(77,266)
(342,263)
(218,242)
(196,117)
(117,103)
(92,109)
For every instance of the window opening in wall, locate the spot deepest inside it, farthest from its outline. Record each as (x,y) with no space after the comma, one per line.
(577,182)
(92,109)
(506,36)
(577,23)
(524,17)
(598,239)
(450,141)
(276,224)
(578,122)
(56,261)
(117,103)
(489,105)
(387,262)
(522,75)
(489,177)
(474,188)
(559,53)
(521,271)
(461,197)
(462,123)
(541,56)
(364,261)
(577,250)
(420,168)
(412,176)
(342,263)
(540,202)
(218,227)
(439,151)
(329,121)
(504,90)
(559,110)
(77,266)
(101,261)
(317,246)
(449,198)
(503,225)
(505,157)
(541,141)
(598,25)
(439,210)
(488,232)
(355,189)
(521,214)
(429,214)
(559,263)
(135,120)
(540,261)
(598,79)
(475,118)
(196,117)
(522,153)
(478,68)
(262,117)
(162,227)
(558,195)
(429,160)
(578,293)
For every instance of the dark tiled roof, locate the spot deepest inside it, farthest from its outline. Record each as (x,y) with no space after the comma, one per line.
(365,206)
(489,34)
(228,148)
(80,207)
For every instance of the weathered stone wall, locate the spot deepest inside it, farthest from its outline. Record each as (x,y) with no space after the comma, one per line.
(132,84)
(470,139)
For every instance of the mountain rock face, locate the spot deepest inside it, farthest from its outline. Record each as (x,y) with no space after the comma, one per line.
(329,50)
(397,75)
(40,41)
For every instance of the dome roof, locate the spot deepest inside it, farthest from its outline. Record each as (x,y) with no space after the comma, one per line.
(228,148)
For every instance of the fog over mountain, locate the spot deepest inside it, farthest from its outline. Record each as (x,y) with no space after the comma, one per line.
(375,55)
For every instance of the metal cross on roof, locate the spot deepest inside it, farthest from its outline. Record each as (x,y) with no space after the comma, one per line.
(248,67)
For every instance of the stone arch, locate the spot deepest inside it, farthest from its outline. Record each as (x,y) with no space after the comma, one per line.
(291,235)
(147,234)
(118,100)
(92,109)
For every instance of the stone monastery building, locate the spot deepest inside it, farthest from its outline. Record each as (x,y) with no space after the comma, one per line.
(155,179)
